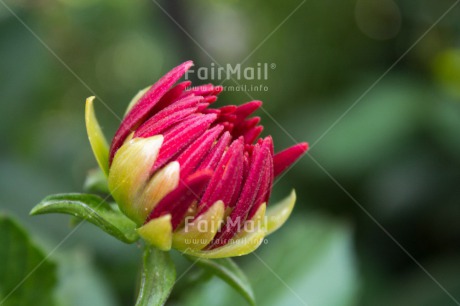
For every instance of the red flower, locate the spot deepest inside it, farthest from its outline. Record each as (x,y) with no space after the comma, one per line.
(175,161)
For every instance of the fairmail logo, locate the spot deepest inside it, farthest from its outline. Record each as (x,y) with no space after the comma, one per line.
(229,71)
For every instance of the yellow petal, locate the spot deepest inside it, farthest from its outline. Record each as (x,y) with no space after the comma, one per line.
(246,241)
(158,232)
(135,99)
(163,182)
(96,137)
(130,173)
(256,222)
(280,212)
(197,234)
(237,247)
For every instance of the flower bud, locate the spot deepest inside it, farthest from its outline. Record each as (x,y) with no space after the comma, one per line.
(192,177)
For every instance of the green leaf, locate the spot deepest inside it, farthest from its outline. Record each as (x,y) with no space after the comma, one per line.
(157,278)
(27,277)
(96,181)
(93,209)
(228,271)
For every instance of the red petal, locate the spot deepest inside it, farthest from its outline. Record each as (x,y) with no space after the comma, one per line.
(216,153)
(247,197)
(265,187)
(244,175)
(204,90)
(168,117)
(245,125)
(228,109)
(211,111)
(246,109)
(146,103)
(210,99)
(218,90)
(178,201)
(283,159)
(202,106)
(193,155)
(180,136)
(227,177)
(252,134)
(173,95)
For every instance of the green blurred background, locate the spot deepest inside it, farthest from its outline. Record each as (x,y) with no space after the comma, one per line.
(396,153)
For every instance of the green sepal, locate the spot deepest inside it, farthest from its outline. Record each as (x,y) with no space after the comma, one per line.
(99,144)
(158,232)
(157,278)
(278,213)
(93,209)
(227,270)
(130,172)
